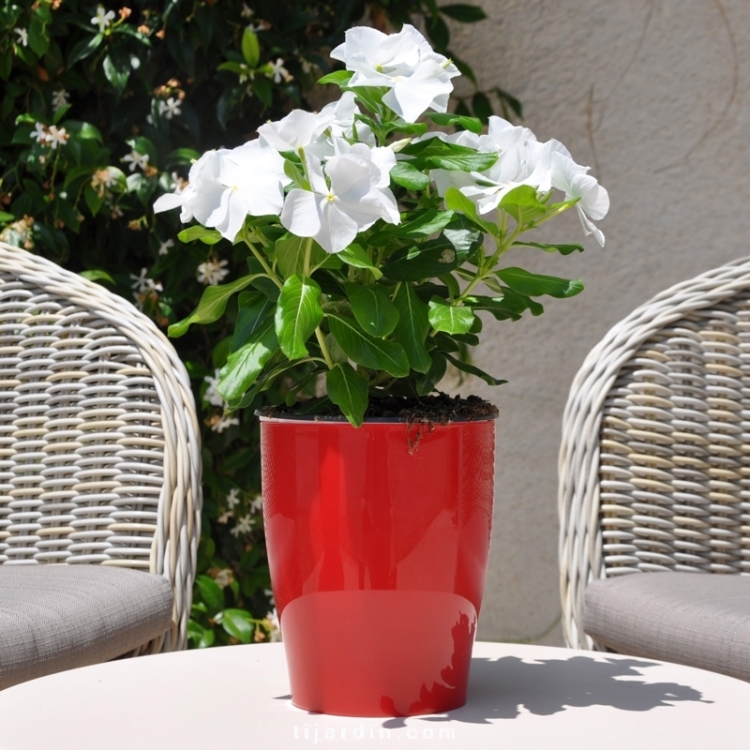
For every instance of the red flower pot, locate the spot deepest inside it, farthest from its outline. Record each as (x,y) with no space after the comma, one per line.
(378,539)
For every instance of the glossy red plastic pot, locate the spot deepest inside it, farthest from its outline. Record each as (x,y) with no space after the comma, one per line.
(378,539)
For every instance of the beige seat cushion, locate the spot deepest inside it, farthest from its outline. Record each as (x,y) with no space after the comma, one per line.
(702,620)
(56,617)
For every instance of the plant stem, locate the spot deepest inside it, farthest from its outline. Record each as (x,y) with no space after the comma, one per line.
(324,348)
(308,253)
(266,267)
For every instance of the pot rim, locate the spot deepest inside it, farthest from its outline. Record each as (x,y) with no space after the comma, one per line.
(336,420)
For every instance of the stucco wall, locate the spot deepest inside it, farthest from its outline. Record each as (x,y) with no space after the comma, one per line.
(653,94)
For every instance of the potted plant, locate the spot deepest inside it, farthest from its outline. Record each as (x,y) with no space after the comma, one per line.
(373,243)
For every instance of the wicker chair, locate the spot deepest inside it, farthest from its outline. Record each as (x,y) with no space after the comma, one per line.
(655,478)
(99,475)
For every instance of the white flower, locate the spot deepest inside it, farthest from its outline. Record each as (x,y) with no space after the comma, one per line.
(102,179)
(23,36)
(227,186)
(142,284)
(278,72)
(165,246)
(334,214)
(418,77)
(56,136)
(211,273)
(225,516)
(136,159)
(256,504)
(233,498)
(59,99)
(273,623)
(39,134)
(224,577)
(224,423)
(103,19)
(212,395)
(572,179)
(246,11)
(243,526)
(170,108)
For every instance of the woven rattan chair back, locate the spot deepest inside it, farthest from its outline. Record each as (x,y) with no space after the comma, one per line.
(655,458)
(99,448)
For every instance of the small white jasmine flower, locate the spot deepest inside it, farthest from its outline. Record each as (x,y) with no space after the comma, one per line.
(136,160)
(142,284)
(223,423)
(278,72)
(273,622)
(103,19)
(271,599)
(224,577)
(60,99)
(233,498)
(102,179)
(40,134)
(57,136)
(212,395)
(246,11)
(23,36)
(164,247)
(135,62)
(212,272)
(256,504)
(243,526)
(170,108)
(225,516)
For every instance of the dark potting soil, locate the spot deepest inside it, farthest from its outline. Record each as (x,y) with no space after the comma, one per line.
(431,410)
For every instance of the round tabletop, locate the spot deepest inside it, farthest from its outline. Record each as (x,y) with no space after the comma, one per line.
(520,697)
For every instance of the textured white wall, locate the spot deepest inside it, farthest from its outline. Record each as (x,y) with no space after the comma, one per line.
(653,94)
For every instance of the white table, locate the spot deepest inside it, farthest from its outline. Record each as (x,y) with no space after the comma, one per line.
(520,698)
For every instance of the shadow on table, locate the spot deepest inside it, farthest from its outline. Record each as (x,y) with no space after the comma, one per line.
(499,688)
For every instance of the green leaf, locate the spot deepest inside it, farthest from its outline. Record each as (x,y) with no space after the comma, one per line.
(355,256)
(463,121)
(464,13)
(449,318)
(250,48)
(536,285)
(181,156)
(117,75)
(254,309)
(239,624)
(457,201)
(523,205)
(243,366)
(290,254)
(93,200)
(199,636)
(348,391)
(205,235)
(339,77)
(97,275)
(211,306)
(481,106)
(562,249)
(367,351)
(298,314)
(472,370)
(426,383)
(84,130)
(508,307)
(83,49)
(38,38)
(407,176)
(432,258)
(211,593)
(412,327)
(373,309)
